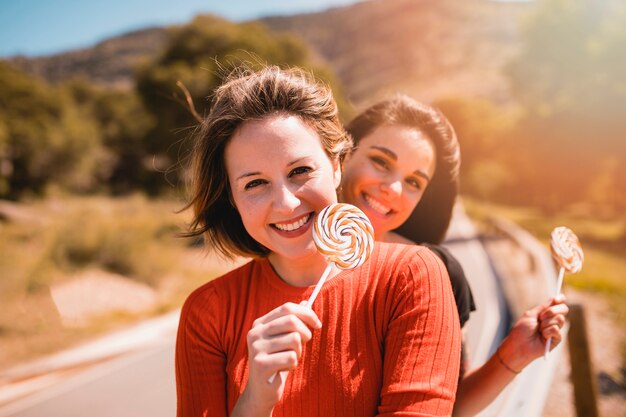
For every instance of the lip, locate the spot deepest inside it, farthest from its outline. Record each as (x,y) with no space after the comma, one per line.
(299,231)
(365,197)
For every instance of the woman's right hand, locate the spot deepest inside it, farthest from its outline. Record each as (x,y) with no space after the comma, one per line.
(275,344)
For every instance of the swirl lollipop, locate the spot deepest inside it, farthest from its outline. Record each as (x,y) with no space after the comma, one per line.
(566,250)
(345,236)
(568,253)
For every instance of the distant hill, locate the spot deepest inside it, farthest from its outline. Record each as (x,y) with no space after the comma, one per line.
(426,48)
(110,63)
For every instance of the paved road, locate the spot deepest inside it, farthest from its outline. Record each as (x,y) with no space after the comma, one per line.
(129,373)
(137,385)
(141,383)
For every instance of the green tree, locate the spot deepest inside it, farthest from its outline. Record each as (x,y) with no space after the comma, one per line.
(123,123)
(200,55)
(45,139)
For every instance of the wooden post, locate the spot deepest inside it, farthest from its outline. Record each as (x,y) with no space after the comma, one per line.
(583,378)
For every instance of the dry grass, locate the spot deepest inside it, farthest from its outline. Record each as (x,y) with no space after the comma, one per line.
(44,243)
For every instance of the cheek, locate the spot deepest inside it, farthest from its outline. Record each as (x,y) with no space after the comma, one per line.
(411,202)
(358,174)
(320,189)
(249,208)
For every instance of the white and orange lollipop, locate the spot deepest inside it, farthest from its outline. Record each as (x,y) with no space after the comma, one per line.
(345,236)
(566,250)
(568,253)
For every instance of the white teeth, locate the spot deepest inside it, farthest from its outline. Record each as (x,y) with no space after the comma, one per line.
(377,206)
(293,226)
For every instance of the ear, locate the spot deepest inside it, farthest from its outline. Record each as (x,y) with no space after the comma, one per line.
(337,173)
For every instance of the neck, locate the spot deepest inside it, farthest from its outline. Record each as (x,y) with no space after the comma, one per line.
(300,272)
(393,237)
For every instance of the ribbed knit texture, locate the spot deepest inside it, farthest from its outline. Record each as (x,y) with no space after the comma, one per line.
(389,345)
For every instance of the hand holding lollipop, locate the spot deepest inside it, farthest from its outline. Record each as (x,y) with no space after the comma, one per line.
(568,253)
(345,236)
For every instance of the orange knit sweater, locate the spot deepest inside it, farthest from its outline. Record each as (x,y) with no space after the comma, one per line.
(389,343)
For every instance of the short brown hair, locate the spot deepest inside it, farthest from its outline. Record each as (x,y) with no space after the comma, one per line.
(429,221)
(252,95)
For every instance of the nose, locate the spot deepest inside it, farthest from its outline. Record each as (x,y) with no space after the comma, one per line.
(392,187)
(285,199)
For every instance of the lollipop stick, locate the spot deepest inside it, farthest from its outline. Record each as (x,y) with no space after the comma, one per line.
(309,303)
(319,284)
(559,284)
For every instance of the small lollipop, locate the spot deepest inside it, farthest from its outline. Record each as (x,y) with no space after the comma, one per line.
(345,236)
(568,253)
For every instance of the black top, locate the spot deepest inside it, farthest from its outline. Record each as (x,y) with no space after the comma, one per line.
(460,286)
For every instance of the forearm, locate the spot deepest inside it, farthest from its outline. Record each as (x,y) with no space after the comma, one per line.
(524,344)
(482,385)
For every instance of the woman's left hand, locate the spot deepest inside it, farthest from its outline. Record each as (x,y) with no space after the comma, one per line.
(528,337)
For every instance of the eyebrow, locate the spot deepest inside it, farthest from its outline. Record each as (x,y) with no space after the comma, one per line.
(386,151)
(247,174)
(252,174)
(393,156)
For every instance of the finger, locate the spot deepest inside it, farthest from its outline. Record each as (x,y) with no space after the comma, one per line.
(535,311)
(561,310)
(262,343)
(552,333)
(283,343)
(558,300)
(558,321)
(305,314)
(268,365)
(285,361)
(288,324)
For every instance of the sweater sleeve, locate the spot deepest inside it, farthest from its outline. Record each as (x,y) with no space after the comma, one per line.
(200,360)
(422,343)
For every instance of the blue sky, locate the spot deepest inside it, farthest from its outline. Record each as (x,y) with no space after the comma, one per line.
(43,27)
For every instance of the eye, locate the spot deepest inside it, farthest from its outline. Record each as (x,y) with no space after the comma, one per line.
(379,162)
(253,184)
(415,183)
(300,171)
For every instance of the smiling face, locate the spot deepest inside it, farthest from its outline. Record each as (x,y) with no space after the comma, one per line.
(387,174)
(280,179)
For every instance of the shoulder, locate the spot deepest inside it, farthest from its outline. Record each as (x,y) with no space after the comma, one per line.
(411,277)
(212,294)
(407,259)
(460,285)
(455,270)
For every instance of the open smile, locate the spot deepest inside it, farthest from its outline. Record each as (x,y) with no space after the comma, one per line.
(295,225)
(377,206)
